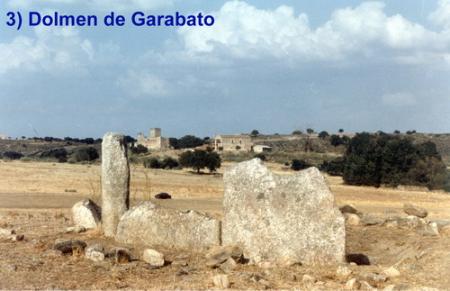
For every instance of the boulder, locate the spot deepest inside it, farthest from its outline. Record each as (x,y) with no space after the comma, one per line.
(282,217)
(411,209)
(430,229)
(86,214)
(149,225)
(153,258)
(115,181)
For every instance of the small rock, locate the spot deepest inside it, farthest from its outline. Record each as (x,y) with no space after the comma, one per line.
(218,255)
(391,222)
(445,230)
(181,260)
(6,233)
(352,219)
(430,229)
(352,284)
(221,281)
(73,247)
(391,272)
(228,266)
(163,195)
(368,220)
(153,257)
(17,237)
(409,222)
(374,278)
(343,272)
(308,281)
(389,288)
(76,229)
(182,272)
(348,208)
(411,209)
(95,253)
(122,256)
(364,285)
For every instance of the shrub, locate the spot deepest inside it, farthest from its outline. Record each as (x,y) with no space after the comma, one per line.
(11,155)
(84,154)
(200,159)
(392,160)
(334,167)
(169,163)
(152,163)
(254,132)
(186,142)
(297,132)
(139,149)
(58,154)
(298,165)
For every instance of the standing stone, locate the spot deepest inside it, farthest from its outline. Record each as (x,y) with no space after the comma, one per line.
(275,218)
(115,181)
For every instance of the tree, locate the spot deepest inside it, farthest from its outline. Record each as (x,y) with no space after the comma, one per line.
(297,132)
(189,141)
(200,159)
(323,134)
(254,132)
(336,140)
(310,131)
(341,130)
(374,160)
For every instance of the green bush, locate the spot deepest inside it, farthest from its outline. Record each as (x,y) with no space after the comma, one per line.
(139,149)
(298,165)
(11,155)
(382,159)
(334,167)
(58,154)
(152,163)
(84,154)
(169,163)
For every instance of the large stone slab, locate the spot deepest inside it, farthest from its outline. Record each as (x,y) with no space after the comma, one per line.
(151,225)
(115,181)
(282,218)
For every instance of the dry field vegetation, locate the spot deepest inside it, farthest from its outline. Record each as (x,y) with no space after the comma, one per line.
(35,200)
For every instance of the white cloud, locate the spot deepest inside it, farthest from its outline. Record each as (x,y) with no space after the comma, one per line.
(141,84)
(50,50)
(244,31)
(103,5)
(441,16)
(399,99)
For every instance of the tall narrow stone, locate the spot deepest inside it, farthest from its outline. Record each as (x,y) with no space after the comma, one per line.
(115,181)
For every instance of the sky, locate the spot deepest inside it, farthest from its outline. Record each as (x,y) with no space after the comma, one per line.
(275,66)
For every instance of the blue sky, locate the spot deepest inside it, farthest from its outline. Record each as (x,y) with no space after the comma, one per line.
(275,66)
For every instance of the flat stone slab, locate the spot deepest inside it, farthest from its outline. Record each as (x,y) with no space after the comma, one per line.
(151,225)
(282,218)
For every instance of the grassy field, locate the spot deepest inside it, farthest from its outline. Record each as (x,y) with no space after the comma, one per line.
(62,184)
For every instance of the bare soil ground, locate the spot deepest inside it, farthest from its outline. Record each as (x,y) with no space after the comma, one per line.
(35,199)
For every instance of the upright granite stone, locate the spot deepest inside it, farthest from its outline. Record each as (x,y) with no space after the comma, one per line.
(151,225)
(115,181)
(282,218)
